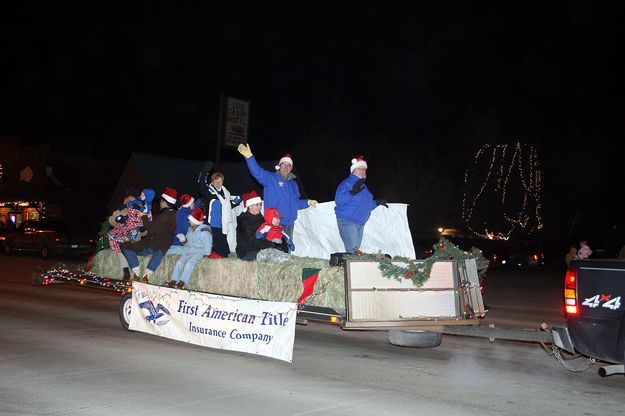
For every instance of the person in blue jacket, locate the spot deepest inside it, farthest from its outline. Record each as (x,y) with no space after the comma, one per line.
(199,242)
(187,204)
(354,203)
(280,189)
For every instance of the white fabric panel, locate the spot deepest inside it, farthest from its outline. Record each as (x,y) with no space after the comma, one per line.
(317,235)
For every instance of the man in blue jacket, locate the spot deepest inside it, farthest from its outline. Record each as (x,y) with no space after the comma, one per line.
(354,204)
(280,189)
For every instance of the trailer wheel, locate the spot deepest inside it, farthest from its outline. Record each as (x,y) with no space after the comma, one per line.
(414,339)
(125,306)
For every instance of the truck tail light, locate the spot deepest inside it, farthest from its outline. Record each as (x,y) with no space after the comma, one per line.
(570,293)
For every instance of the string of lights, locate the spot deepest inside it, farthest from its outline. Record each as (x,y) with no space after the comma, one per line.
(62,274)
(512,170)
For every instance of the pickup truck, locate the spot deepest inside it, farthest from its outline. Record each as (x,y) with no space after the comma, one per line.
(594,305)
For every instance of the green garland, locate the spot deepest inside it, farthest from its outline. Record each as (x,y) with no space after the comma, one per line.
(419,273)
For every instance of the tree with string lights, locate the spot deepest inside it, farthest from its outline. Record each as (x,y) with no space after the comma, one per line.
(502,192)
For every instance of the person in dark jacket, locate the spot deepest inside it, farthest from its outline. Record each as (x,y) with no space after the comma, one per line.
(160,232)
(354,204)
(279,188)
(248,222)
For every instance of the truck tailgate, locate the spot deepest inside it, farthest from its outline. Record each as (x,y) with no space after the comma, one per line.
(599,330)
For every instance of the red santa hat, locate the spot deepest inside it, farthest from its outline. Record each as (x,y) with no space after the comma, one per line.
(169,195)
(285,159)
(358,162)
(251,198)
(186,201)
(197,216)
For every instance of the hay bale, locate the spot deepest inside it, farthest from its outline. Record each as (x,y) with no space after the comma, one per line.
(249,279)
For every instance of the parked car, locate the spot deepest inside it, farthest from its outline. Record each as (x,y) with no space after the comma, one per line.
(48,237)
(519,255)
(4,230)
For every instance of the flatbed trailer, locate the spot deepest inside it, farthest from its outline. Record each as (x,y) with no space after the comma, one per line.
(450,302)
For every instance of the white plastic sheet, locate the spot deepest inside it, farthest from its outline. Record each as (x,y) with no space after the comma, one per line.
(316,233)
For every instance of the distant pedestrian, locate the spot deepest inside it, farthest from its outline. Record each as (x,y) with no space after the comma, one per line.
(584,250)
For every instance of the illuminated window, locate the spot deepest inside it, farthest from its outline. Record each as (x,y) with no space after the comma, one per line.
(32,215)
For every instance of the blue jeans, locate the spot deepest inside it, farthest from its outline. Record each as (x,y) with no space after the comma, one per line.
(351,234)
(184,267)
(288,229)
(133,260)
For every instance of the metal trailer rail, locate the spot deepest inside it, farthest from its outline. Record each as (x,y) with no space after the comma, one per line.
(308,313)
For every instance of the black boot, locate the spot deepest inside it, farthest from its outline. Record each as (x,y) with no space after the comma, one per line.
(126,274)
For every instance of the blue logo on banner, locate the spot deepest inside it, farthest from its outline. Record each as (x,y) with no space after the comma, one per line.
(155,312)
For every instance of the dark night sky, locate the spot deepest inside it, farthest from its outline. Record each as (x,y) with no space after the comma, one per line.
(407,83)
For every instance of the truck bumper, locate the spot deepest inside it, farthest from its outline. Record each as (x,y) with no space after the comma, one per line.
(562,339)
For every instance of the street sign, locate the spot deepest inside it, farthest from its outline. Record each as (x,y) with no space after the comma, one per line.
(233,121)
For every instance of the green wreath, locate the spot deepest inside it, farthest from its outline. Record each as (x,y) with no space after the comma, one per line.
(419,273)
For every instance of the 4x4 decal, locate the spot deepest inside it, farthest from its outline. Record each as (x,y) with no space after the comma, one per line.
(607,300)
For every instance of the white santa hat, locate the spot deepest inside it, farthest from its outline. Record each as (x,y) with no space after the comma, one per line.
(197,216)
(285,159)
(358,162)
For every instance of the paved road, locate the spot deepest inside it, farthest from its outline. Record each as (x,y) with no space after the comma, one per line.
(63,352)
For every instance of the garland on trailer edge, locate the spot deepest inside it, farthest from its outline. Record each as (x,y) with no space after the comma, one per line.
(419,272)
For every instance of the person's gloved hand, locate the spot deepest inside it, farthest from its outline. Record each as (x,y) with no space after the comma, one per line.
(290,244)
(260,235)
(312,203)
(182,238)
(382,202)
(359,185)
(245,150)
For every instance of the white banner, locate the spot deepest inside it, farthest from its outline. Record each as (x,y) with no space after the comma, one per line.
(317,235)
(245,325)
